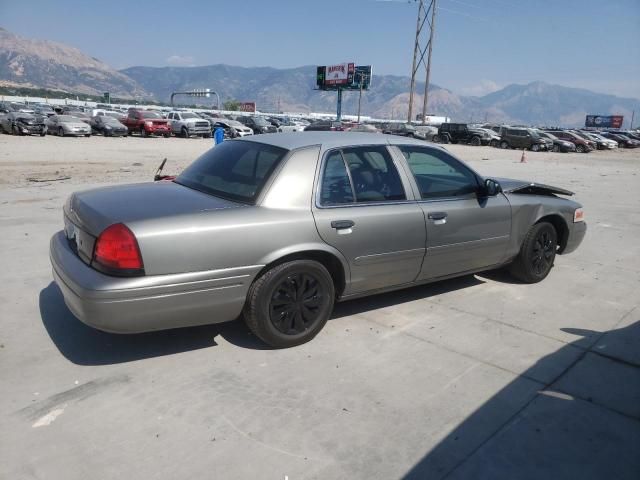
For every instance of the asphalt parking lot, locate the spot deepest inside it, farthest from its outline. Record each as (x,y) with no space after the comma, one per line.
(478,377)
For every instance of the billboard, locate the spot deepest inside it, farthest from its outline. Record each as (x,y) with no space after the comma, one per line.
(339,74)
(604,121)
(346,76)
(247,107)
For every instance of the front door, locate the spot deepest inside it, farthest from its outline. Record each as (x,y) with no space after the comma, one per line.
(362,210)
(465,231)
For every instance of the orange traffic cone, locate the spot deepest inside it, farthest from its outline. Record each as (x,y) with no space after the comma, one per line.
(523,158)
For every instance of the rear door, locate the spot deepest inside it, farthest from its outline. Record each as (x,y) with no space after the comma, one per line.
(465,231)
(364,207)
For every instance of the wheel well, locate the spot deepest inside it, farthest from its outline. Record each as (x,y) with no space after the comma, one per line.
(561,227)
(329,261)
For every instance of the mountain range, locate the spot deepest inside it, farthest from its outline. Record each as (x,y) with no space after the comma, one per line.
(28,62)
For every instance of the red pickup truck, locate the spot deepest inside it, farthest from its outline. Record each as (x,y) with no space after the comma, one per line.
(146,123)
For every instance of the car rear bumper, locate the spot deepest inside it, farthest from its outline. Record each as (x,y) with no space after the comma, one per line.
(142,304)
(577,231)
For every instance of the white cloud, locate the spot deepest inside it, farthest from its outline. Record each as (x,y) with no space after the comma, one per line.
(180,60)
(483,87)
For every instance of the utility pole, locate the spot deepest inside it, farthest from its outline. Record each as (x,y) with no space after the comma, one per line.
(362,77)
(633,114)
(418,60)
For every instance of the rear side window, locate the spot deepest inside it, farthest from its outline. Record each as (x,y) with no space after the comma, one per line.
(235,170)
(438,174)
(336,187)
(367,174)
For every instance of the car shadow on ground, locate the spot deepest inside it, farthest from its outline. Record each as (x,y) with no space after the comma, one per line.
(84,345)
(582,423)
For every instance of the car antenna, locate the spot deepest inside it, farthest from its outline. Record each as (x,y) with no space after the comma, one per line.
(158,175)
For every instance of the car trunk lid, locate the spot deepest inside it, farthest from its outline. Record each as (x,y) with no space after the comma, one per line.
(88,213)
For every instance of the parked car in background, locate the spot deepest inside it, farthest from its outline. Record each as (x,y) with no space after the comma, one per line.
(400,129)
(623,140)
(108,126)
(364,127)
(461,133)
(582,145)
(20,123)
(188,124)
(524,138)
(43,109)
(257,124)
(146,123)
(68,125)
(287,125)
(494,137)
(601,142)
(592,143)
(559,145)
(232,128)
(324,126)
(363,217)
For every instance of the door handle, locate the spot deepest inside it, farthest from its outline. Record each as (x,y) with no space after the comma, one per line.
(342,224)
(437,215)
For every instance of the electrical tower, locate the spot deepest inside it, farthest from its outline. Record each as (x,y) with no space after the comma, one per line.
(424,36)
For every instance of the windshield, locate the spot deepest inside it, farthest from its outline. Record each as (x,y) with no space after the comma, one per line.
(189,115)
(234,170)
(109,120)
(549,135)
(260,121)
(67,118)
(151,115)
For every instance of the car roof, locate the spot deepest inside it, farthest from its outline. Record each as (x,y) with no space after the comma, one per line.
(294,140)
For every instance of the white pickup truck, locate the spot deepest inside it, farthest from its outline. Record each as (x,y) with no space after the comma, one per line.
(187,124)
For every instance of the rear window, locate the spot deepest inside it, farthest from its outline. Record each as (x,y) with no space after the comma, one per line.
(236,170)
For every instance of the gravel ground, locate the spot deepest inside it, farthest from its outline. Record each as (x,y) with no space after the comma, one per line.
(478,377)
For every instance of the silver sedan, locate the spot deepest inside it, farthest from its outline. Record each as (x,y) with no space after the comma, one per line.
(64,125)
(277,228)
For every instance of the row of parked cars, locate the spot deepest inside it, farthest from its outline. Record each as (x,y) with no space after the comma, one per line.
(40,119)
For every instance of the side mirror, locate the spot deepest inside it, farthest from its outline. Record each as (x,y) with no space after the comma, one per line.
(491,187)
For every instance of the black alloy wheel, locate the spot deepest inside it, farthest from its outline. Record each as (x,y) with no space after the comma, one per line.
(295,303)
(290,303)
(537,254)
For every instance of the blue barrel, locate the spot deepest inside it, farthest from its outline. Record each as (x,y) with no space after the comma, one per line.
(218,135)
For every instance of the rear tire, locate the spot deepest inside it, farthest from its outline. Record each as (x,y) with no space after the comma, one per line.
(289,304)
(537,254)
(495,143)
(61,132)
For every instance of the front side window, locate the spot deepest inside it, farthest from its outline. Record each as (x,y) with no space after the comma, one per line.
(437,174)
(234,170)
(367,174)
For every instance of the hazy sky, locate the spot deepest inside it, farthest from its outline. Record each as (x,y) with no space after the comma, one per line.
(480,45)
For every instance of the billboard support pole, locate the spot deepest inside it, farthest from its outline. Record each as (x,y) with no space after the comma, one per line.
(633,114)
(339,112)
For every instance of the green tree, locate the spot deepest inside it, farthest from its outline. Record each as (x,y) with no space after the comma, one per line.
(231,105)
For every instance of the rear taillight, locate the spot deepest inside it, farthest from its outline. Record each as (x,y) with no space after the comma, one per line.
(117,252)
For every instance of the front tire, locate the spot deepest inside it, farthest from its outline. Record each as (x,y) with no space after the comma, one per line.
(184,132)
(143,132)
(504,145)
(556,148)
(476,142)
(580,149)
(61,132)
(289,304)
(537,254)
